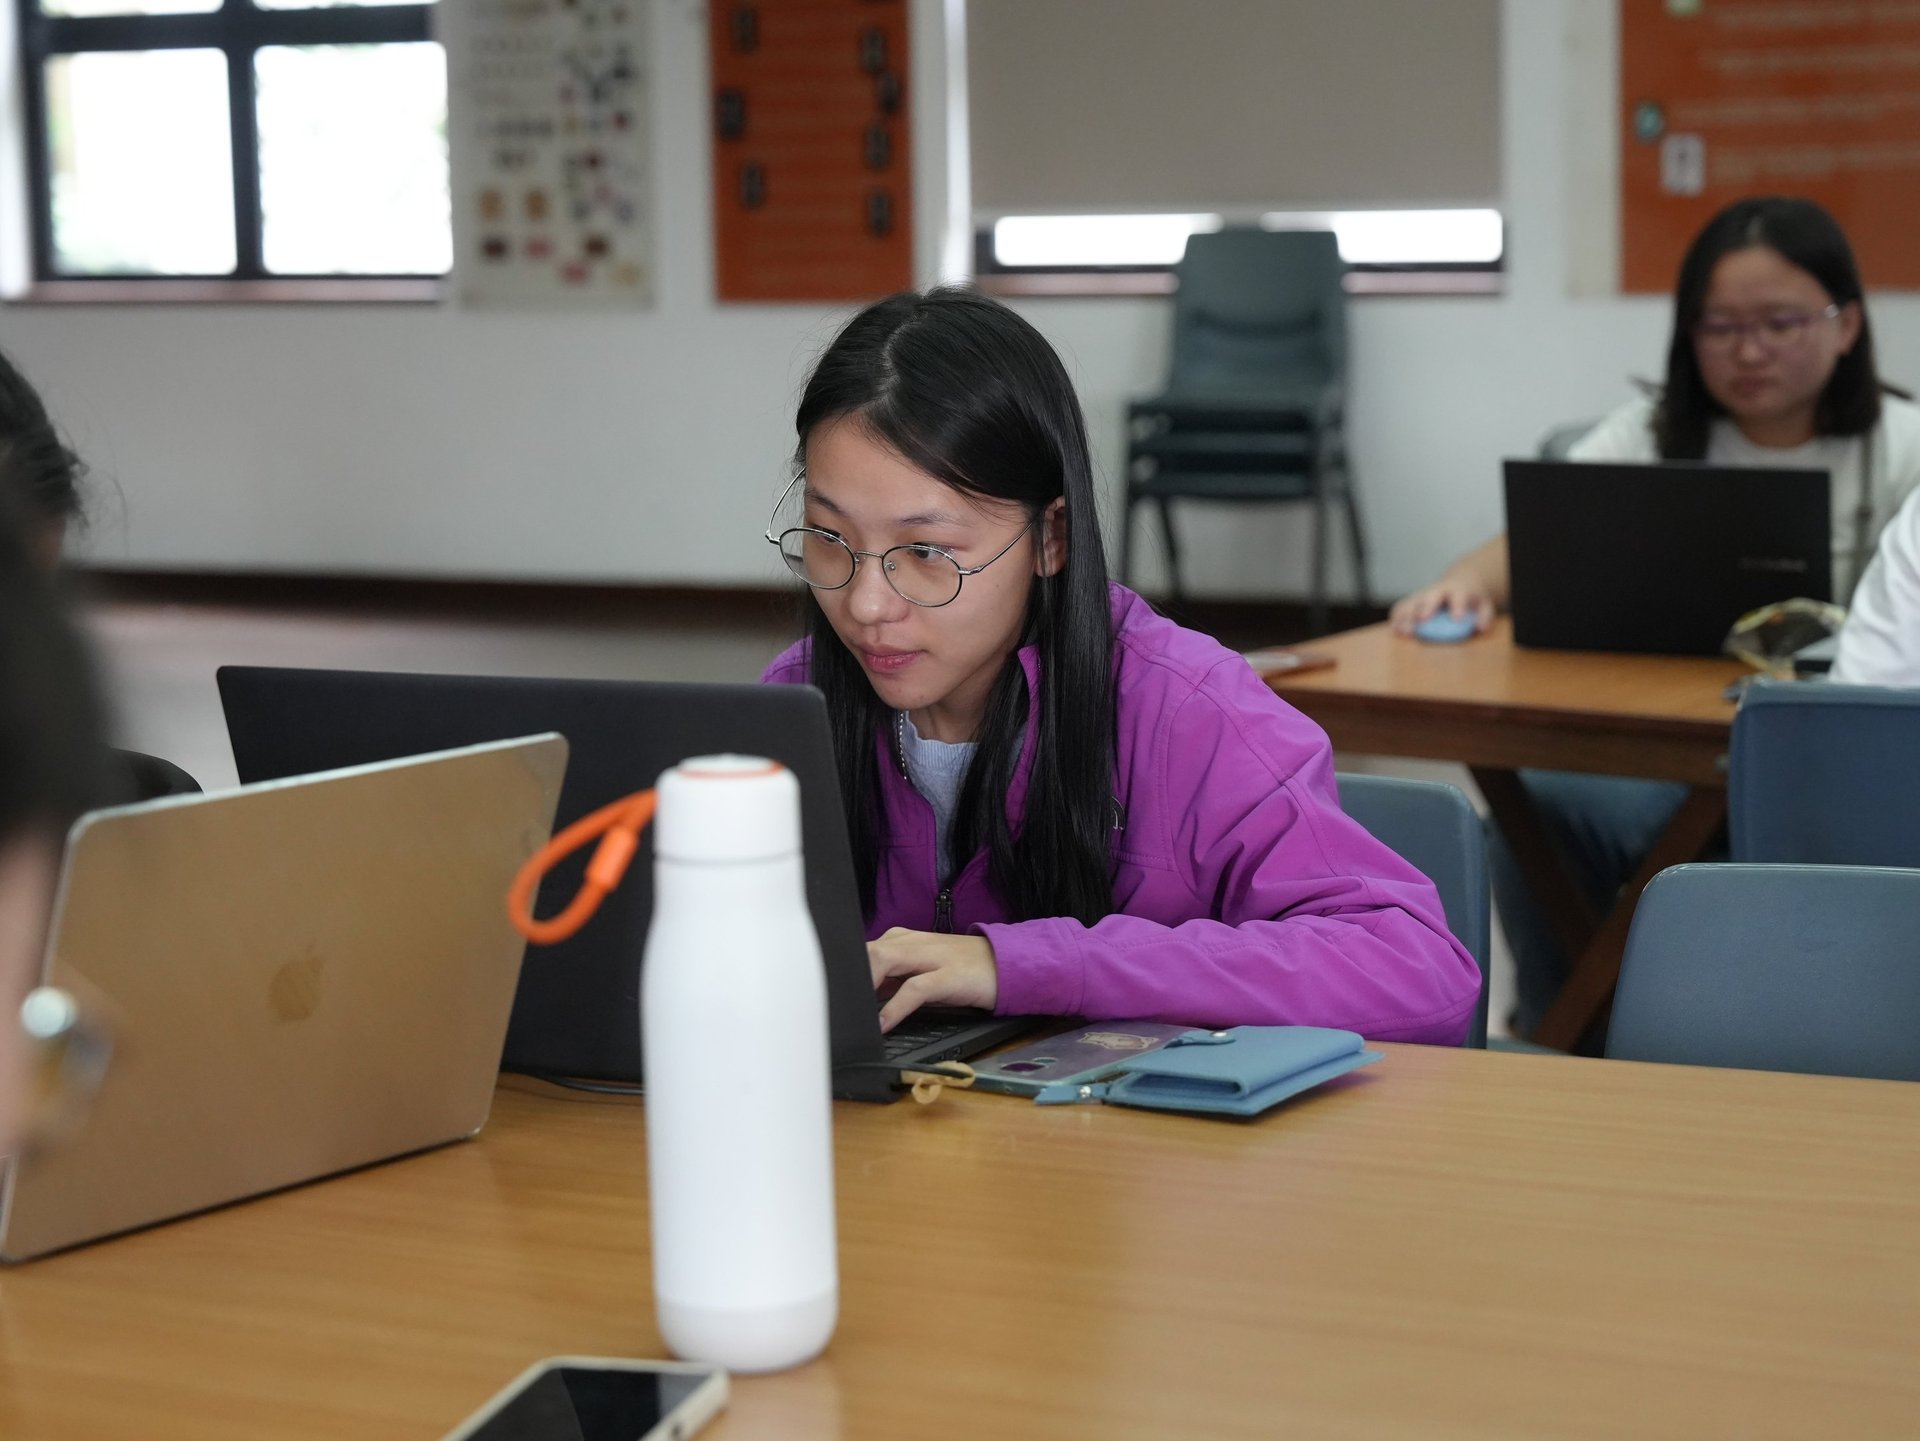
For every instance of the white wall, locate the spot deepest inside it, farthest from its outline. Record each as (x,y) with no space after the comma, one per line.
(440,441)
(413,440)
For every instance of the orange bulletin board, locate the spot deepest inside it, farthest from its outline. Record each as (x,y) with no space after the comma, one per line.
(812,176)
(1725,98)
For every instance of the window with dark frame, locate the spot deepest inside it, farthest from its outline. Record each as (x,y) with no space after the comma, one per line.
(235,140)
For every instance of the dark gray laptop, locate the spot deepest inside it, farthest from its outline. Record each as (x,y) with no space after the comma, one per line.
(1659,558)
(576,1013)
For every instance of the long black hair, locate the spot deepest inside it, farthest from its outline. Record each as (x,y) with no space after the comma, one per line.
(966,391)
(1802,234)
(35,464)
(52,730)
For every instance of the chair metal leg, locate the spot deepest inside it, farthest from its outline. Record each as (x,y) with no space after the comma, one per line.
(1317,614)
(1173,548)
(1356,533)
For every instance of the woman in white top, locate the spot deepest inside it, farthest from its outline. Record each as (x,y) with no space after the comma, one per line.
(1886,458)
(1880,643)
(1770,364)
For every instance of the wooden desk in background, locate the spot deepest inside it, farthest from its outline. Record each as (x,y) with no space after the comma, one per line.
(1495,707)
(1448,1244)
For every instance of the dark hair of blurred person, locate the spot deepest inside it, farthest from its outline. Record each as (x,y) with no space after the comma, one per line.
(36,466)
(52,755)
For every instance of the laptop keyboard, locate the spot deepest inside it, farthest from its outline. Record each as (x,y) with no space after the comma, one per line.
(921,1040)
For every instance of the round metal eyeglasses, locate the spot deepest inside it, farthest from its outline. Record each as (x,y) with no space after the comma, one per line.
(922,575)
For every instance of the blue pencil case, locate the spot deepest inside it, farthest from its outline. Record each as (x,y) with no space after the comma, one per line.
(1240,1072)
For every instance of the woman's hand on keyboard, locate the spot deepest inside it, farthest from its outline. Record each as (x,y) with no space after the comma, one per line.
(912,969)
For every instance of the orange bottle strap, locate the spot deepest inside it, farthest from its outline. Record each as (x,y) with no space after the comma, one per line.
(618,826)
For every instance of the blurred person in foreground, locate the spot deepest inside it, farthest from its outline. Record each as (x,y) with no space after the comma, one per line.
(51,763)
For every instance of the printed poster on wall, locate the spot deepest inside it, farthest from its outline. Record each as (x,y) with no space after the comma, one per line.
(547,114)
(812,177)
(1726,98)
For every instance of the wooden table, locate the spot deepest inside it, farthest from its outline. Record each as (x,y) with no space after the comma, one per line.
(1496,707)
(1449,1244)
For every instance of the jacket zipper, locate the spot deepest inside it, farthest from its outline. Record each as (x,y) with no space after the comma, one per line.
(942,902)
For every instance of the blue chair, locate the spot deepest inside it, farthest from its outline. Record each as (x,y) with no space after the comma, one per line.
(1255,404)
(1825,775)
(1435,829)
(1774,968)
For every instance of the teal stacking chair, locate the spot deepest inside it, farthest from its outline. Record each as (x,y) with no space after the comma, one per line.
(1774,968)
(1435,829)
(1825,775)
(1254,409)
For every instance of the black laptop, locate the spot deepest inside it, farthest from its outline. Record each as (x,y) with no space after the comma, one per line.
(576,1013)
(1659,558)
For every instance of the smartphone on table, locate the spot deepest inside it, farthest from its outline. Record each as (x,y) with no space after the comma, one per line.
(1284,660)
(600,1398)
(1077,1056)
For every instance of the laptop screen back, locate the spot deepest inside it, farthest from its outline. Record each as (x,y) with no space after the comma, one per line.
(1659,558)
(578,1008)
(303,977)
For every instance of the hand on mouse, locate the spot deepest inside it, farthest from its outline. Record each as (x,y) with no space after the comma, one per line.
(931,969)
(1454,593)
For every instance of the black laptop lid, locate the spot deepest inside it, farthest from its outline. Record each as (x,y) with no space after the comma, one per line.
(1662,558)
(576,1012)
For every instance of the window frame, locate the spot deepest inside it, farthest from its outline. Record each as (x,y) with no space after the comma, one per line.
(996,277)
(239,29)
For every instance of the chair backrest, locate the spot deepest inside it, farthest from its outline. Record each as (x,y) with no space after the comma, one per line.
(1826,775)
(1558,443)
(1774,968)
(1258,308)
(135,776)
(1435,829)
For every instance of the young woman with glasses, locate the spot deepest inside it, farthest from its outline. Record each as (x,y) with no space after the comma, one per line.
(1770,364)
(1060,802)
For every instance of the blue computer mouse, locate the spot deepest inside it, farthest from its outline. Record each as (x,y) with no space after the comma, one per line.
(1444,627)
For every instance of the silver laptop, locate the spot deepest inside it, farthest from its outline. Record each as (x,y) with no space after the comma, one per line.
(304,975)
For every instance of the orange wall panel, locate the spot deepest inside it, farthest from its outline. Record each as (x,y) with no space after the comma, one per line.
(812,176)
(1725,98)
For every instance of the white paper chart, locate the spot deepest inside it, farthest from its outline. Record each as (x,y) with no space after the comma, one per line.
(547,119)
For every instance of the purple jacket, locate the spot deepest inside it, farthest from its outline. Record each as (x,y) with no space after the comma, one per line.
(1242,894)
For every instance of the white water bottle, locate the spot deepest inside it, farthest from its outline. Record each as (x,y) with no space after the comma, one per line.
(738,1080)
